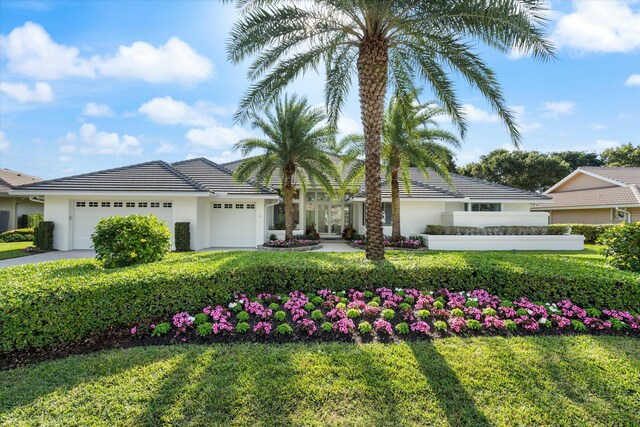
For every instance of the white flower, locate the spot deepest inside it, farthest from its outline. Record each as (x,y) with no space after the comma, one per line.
(431,292)
(191,318)
(233,304)
(398,289)
(474,299)
(542,320)
(461,292)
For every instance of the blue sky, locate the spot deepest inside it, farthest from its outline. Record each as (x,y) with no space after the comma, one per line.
(90,85)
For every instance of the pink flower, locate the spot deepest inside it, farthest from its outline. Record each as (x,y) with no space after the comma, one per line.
(344,326)
(457,323)
(307,325)
(133,330)
(263,328)
(421,327)
(493,322)
(383,326)
(152,326)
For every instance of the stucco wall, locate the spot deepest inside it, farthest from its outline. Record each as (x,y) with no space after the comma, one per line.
(57,209)
(487,219)
(582,182)
(8,204)
(504,243)
(581,216)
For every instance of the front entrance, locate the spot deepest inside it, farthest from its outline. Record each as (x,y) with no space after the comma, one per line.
(328,217)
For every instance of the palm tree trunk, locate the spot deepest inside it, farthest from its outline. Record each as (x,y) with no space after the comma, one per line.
(372,81)
(288,205)
(395,202)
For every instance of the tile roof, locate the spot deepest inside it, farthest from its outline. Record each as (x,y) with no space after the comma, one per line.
(610,196)
(620,174)
(10,178)
(217,178)
(150,176)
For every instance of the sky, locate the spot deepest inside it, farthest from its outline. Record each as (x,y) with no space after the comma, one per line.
(91,85)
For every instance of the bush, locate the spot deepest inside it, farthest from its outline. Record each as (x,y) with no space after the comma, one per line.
(365,327)
(622,246)
(182,236)
(30,220)
(43,236)
(503,230)
(18,235)
(60,301)
(120,241)
(591,232)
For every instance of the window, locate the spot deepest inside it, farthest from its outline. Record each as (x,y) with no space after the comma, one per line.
(155,204)
(80,204)
(93,204)
(217,205)
(105,204)
(167,204)
(117,204)
(483,207)
(278,215)
(131,204)
(142,204)
(239,206)
(228,206)
(251,206)
(387,213)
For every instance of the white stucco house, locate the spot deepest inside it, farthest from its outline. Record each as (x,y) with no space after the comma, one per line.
(223,213)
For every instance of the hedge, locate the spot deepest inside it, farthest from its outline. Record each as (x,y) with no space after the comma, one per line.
(591,232)
(17,235)
(30,220)
(501,230)
(182,236)
(61,301)
(43,236)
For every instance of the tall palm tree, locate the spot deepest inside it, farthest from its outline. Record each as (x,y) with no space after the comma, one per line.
(383,42)
(296,144)
(410,138)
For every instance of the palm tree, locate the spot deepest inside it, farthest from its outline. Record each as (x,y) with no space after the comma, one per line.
(296,144)
(410,138)
(383,42)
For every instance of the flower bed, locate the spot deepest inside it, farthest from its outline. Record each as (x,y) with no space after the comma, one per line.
(410,243)
(293,243)
(384,314)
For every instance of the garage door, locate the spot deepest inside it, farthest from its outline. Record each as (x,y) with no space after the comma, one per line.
(233,225)
(87,213)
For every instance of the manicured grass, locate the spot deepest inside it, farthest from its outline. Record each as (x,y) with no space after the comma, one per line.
(579,380)
(13,250)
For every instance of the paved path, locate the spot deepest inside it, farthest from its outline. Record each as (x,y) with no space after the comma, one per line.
(336,247)
(49,256)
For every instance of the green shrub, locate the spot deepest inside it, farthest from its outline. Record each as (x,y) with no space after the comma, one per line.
(61,301)
(368,294)
(591,232)
(510,325)
(43,236)
(161,329)
(373,304)
(365,327)
(622,246)
(404,306)
(243,316)
(242,327)
(327,326)
(309,306)
(284,329)
(17,235)
(578,325)
(200,318)
(30,220)
(438,304)
(341,305)
(402,328)
(316,315)
(593,312)
(280,316)
(353,313)
(522,312)
(120,241)
(182,237)
(471,303)
(489,311)
(317,300)
(441,325)
(473,324)
(409,300)
(204,329)
(274,306)
(388,314)
(456,312)
(423,314)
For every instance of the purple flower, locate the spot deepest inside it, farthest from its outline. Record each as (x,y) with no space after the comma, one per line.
(383,326)
(420,327)
(344,325)
(263,328)
(457,323)
(307,325)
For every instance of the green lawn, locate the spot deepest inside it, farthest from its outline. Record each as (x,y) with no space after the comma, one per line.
(579,380)
(13,250)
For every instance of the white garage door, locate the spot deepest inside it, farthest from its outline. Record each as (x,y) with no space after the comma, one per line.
(87,213)
(233,225)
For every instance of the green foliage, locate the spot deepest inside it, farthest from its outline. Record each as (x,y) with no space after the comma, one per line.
(284,329)
(591,232)
(317,300)
(200,318)
(376,300)
(438,304)
(204,329)
(505,230)
(373,304)
(285,298)
(341,305)
(522,312)
(243,316)
(61,301)
(456,312)
(365,327)
(327,326)
(424,314)
(242,327)
(316,315)
(488,311)
(161,329)
(368,294)
(280,316)
(120,241)
(309,306)
(43,236)
(593,312)
(410,300)
(274,306)
(353,313)
(575,159)
(624,156)
(618,324)
(578,325)
(402,328)
(441,325)
(30,220)
(404,306)
(510,325)
(474,324)
(17,235)
(622,246)
(388,314)
(471,303)
(182,237)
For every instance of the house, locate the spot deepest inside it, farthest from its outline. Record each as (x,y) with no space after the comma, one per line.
(224,213)
(13,207)
(595,195)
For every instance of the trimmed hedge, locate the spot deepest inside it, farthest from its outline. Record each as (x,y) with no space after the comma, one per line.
(17,235)
(30,220)
(43,236)
(591,232)
(183,237)
(61,301)
(501,230)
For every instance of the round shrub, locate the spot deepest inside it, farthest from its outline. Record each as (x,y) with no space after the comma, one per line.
(365,327)
(353,313)
(327,327)
(243,316)
(402,328)
(120,241)
(388,314)
(284,329)
(280,316)
(316,315)
(622,246)
(242,327)
(204,329)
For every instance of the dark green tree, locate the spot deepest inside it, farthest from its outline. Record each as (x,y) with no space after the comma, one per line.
(575,159)
(626,155)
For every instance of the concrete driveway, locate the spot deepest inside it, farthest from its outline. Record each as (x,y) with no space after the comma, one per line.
(49,256)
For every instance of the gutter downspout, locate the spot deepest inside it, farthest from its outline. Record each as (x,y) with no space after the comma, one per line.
(35,199)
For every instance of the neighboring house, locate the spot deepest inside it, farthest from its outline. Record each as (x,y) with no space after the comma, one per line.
(13,207)
(223,213)
(595,195)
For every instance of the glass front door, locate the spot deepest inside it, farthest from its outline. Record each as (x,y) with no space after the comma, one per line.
(329,218)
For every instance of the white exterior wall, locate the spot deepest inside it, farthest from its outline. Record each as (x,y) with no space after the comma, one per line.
(488,219)
(58,210)
(201,231)
(516,207)
(504,243)
(9,204)
(414,217)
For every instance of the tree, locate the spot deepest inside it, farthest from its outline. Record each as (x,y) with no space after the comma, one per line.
(575,159)
(624,156)
(396,42)
(297,139)
(528,170)
(410,138)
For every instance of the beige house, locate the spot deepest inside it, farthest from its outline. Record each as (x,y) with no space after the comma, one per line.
(595,195)
(13,207)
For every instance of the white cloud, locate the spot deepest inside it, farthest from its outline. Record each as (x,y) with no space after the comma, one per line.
(468,156)
(91,141)
(225,157)
(168,111)
(64,159)
(559,108)
(21,92)
(603,144)
(215,137)
(633,80)
(597,126)
(477,115)
(97,110)
(31,51)
(4,142)
(522,119)
(347,125)
(600,26)
(166,148)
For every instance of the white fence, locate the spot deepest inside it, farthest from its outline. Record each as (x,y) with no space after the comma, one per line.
(504,243)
